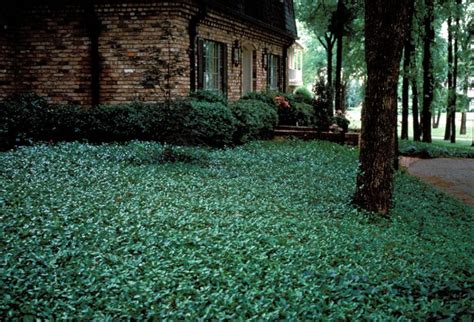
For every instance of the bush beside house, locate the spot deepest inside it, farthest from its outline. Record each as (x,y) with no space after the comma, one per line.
(204,118)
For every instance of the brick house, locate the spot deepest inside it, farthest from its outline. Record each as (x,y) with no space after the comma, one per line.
(112,51)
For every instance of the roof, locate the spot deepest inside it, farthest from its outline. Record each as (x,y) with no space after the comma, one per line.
(275,14)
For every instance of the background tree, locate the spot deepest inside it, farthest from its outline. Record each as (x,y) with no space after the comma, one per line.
(316,16)
(428,79)
(386,24)
(407,58)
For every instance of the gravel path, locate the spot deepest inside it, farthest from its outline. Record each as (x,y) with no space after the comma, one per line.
(453,176)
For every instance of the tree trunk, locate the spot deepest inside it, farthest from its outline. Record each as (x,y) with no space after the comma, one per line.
(414,108)
(338,85)
(447,131)
(436,118)
(405,92)
(455,74)
(406,77)
(330,84)
(328,44)
(463,128)
(428,78)
(385,30)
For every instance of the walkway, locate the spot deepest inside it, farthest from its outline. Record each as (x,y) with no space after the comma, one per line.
(453,176)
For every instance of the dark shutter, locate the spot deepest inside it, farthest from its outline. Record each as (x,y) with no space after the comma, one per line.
(224,68)
(200,63)
(279,73)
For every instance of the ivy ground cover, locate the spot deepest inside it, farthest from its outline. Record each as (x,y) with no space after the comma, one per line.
(263,231)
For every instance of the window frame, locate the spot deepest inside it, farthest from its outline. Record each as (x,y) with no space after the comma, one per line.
(218,59)
(273,72)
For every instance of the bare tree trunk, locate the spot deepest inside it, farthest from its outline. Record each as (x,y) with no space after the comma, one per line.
(428,78)
(385,30)
(407,57)
(447,131)
(455,74)
(328,44)
(405,91)
(463,128)
(414,108)
(338,84)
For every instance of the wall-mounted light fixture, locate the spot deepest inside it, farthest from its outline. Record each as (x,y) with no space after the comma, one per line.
(265,58)
(236,53)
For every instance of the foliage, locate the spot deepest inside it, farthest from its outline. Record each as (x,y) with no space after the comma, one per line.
(261,96)
(303,95)
(211,124)
(208,96)
(321,104)
(341,121)
(263,231)
(433,150)
(203,119)
(22,117)
(256,120)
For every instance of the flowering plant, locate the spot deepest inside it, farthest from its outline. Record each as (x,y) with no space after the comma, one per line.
(281,102)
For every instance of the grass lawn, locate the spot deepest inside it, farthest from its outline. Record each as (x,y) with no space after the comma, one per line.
(437,133)
(263,231)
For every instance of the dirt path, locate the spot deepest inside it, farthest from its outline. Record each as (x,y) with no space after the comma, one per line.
(453,176)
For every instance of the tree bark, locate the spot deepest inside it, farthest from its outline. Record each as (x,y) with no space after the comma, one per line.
(338,85)
(463,128)
(408,46)
(447,130)
(385,29)
(414,108)
(455,74)
(328,45)
(428,78)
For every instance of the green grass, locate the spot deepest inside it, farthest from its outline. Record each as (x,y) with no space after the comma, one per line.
(263,231)
(434,149)
(437,134)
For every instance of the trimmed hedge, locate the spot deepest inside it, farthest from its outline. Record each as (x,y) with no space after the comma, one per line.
(256,120)
(303,95)
(202,119)
(297,108)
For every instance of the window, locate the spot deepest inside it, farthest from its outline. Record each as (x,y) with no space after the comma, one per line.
(273,72)
(212,63)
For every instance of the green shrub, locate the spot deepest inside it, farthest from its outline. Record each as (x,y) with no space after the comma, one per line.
(433,150)
(341,121)
(264,97)
(211,124)
(256,120)
(205,121)
(209,96)
(303,95)
(23,118)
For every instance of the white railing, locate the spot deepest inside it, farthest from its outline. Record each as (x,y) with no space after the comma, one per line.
(295,77)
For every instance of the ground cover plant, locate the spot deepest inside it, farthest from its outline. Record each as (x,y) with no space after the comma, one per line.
(262,231)
(434,150)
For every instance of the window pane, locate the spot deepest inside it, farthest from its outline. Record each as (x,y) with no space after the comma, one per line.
(273,72)
(212,65)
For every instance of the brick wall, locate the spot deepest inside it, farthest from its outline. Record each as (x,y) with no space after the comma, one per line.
(225,29)
(134,37)
(52,54)
(52,51)
(7,77)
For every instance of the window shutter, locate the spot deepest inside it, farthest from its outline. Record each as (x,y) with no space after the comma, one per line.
(200,63)
(279,73)
(224,69)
